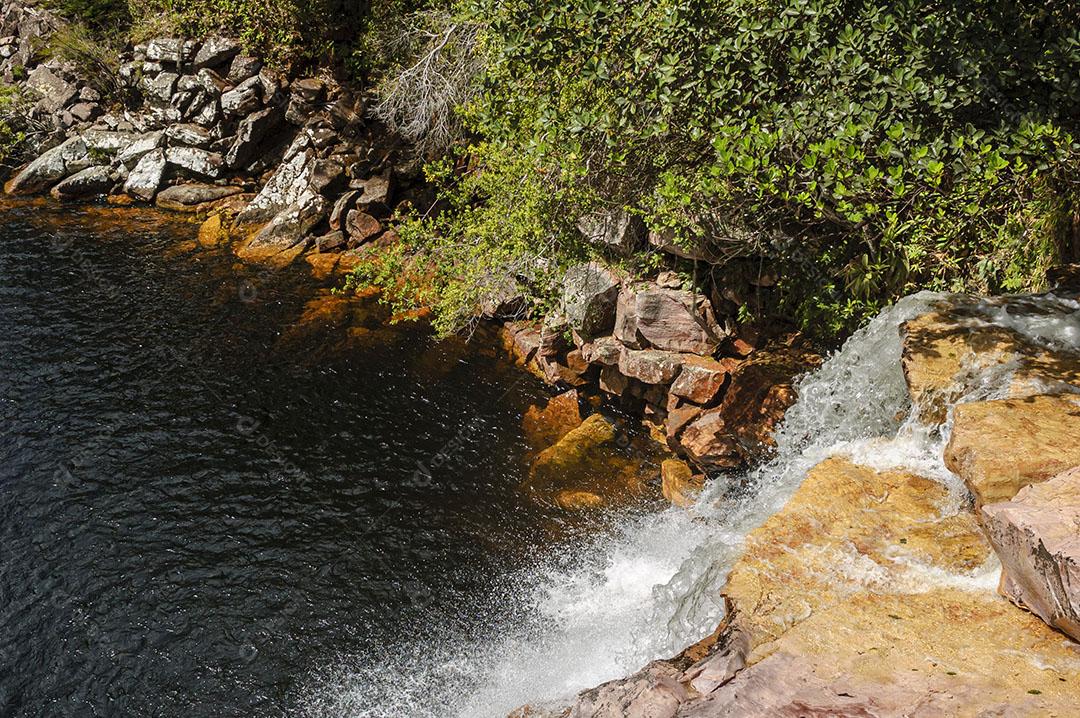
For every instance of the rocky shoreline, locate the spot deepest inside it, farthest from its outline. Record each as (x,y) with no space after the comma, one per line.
(829,609)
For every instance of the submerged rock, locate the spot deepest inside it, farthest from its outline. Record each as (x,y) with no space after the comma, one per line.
(1037,537)
(999,447)
(590,467)
(544,427)
(188,197)
(679,483)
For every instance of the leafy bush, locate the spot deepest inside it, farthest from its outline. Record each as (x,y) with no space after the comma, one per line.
(109,17)
(867,148)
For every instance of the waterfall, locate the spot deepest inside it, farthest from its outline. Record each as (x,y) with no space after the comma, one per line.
(651,587)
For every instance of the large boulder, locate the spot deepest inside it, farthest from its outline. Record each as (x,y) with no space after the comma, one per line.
(950,352)
(54,165)
(56,92)
(139,146)
(216,51)
(702,378)
(289,184)
(999,447)
(590,293)
(290,227)
(146,177)
(243,99)
(90,181)
(203,163)
(1037,538)
(669,319)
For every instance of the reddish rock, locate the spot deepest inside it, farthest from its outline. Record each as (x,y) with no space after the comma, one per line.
(361,226)
(1037,538)
(612,381)
(710,441)
(650,365)
(701,379)
(679,414)
(605,350)
(545,426)
(521,340)
(667,319)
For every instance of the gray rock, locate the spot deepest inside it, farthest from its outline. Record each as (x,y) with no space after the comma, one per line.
(109,141)
(211,82)
(253,129)
(145,178)
(89,94)
(56,92)
(341,208)
(62,161)
(187,197)
(90,181)
(242,67)
(325,173)
(195,160)
(590,293)
(208,115)
(670,319)
(286,187)
(140,146)
(189,135)
(85,111)
(242,99)
(160,87)
(171,50)
(291,226)
(216,51)
(617,229)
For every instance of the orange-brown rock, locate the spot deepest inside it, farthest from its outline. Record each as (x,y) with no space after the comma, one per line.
(213,232)
(701,378)
(999,447)
(854,600)
(679,483)
(545,426)
(949,352)
(592,466)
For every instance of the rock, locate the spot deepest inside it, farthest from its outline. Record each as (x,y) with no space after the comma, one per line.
(696,249)
(701,379)
(588,469)
(331,242)
(950,352)
(290,227)
(1064,278)
(189,135)
(590,293)
(521,340)
(287,186)
(1037,537)
(325,174)
(188,197)
(54,165)
(309,89)
(999,447)
(216,51)
(56,92)
(197,161)
(211,82)
(171,50)
(243,68)
(90,181)
(615,229)
(213,232)
(252,130)
(604,350)
(650,365)
(85,111)
(669,319)
(145,178)
(545,426)
(341,209)
(613,382)
(207,115)
(680,413)
(376,193)
(361,227)
(243,99)
(159,87)
(760,390)
(680,484)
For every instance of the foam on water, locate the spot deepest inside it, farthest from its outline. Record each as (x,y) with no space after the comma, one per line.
(652,587)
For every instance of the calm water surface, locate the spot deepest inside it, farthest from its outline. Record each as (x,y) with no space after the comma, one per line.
(216,483)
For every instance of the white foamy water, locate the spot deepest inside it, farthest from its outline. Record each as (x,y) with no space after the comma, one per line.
(652,587)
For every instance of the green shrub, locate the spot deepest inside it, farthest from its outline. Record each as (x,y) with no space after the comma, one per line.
(867,148)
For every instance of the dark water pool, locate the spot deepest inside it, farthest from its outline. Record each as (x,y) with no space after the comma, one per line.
(216,481)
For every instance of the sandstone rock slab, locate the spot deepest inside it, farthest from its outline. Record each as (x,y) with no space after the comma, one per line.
(668,319)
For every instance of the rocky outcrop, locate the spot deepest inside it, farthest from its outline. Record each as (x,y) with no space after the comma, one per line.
(999,447)
(950,352)
(829,607)
(1037,537)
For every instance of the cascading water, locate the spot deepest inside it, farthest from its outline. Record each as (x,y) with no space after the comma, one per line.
(652,586)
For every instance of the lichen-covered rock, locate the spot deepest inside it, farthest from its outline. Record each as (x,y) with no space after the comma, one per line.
(171,50)
(252,130)
(190,135)
(197,161)
(287,186)
(216,51)
(52,166)
(999,447)
(590,293)
(243,99)
(668,319)
(88,182)
(138,146)
(145,178)
(289,228)
(1037,537)
(603,350)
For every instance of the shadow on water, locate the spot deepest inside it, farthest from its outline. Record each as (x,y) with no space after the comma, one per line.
(215,479)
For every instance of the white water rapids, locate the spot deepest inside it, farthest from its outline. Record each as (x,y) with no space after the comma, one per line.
(652,588)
